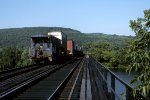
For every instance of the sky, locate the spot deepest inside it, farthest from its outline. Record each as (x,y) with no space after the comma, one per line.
(87,16)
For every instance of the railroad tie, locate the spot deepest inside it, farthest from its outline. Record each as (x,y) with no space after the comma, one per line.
(85,93)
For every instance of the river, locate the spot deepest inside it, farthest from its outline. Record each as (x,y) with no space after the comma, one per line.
(126,77)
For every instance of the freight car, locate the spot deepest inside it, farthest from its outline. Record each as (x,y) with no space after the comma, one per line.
(63,37)
(73,49)
(78,50)
(45,48)
(70,47)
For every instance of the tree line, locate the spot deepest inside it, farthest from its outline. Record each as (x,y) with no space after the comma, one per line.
(107,53)
(13,57)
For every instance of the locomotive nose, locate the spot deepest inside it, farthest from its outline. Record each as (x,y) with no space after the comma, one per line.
(41,46)
(40,52)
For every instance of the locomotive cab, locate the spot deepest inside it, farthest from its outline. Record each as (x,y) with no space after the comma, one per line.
(44,48)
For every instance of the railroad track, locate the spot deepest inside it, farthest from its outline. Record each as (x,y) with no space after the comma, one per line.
(99,88)
(36,76)
(12,82)
(17,71)
(72,88)
(52,86)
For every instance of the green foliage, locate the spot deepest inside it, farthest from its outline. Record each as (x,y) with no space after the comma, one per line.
(12,57)
(139,53)
(9,57)
(107,53)
(25,59)
(20,37)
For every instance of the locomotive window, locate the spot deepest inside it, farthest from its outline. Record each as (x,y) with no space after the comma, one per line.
(40,39)
(48,45)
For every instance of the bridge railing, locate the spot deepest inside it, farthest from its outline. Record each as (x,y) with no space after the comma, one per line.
(111,82)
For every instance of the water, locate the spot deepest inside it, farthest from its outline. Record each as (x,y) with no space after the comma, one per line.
(126,77)
(120,89)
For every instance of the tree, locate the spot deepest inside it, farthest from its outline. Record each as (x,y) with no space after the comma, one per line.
(9,57)
(139,53)
(25,59)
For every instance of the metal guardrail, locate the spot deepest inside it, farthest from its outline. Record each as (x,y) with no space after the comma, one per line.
(111,83)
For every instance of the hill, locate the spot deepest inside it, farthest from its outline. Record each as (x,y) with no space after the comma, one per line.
(108,49)
(21,36)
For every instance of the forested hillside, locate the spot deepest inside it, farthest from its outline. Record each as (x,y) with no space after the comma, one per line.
(14,44)
(20,37)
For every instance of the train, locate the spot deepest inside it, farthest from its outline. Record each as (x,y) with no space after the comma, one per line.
(73,49)
(53,47)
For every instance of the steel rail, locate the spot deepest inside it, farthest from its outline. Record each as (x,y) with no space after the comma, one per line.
(29,82)
(60,88)
(17,71)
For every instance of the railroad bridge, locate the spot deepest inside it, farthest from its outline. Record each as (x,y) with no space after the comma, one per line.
(78,79)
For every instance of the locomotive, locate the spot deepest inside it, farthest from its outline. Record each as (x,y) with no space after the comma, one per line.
(52,47)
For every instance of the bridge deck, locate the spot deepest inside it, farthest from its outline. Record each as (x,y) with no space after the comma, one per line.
(92,87)
(75,81)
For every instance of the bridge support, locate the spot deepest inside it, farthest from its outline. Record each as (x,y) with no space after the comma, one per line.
(113,87)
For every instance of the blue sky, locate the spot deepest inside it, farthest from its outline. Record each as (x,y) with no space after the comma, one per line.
(87,16)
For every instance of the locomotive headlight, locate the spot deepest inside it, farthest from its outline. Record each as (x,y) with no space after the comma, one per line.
(41,46)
